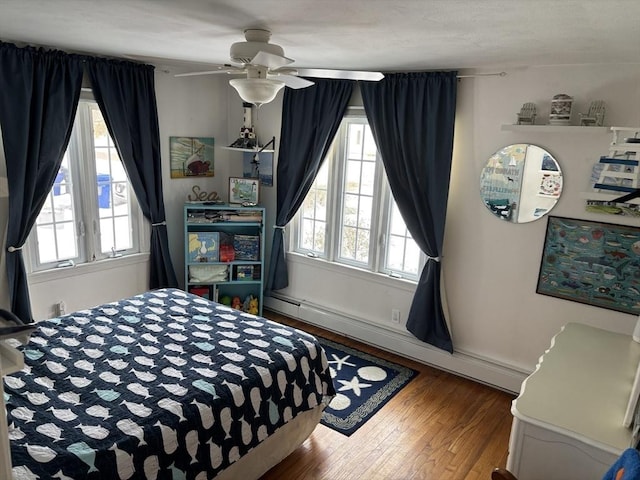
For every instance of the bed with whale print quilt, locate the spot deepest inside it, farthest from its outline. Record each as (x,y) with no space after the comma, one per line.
(162,385)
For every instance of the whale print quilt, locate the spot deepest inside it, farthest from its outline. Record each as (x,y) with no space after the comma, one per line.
(163,385)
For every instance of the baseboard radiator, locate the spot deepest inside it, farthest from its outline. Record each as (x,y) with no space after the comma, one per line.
(459,363)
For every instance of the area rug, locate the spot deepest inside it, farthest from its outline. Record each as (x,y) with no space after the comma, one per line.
(364,384)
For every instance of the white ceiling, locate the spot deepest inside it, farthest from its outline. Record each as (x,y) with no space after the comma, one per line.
(383,35)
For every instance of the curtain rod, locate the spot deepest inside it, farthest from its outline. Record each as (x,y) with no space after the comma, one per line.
(495,74)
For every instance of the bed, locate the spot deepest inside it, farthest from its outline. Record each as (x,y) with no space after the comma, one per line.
(163,385)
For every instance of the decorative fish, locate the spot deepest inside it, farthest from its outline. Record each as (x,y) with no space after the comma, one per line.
(174,388)
(46,382)
(206,414)
(191,440)
(203,335)
(204,346)
(169,438)
(177,337)
(262,433)
(260,354)
(256,399)
(117,364)
(70,342)
(200,358)
(125,338)
(13,382)
(297,395)
(283,341)
(205,372)
(228,325)
(33,354)
(85,365)
(265,375)
(173,407)
(98,411)
(55,367)
(282,381)
(282,331)
(109,311)
(64,414)
(107,395)
(94,431)
(84,453)
(274,415)
(257,342)
(151,467)
(228,344)
(144,376)
(177,361)
(254,331)
(290,359)
(137,408)
(49,332)
(252,323)
(202,326)
(225,421)
(172,372)
(139,390)
(236,370)
(154,317)
(234,357)
(131,318)
(129,427)
(148,349)
(92,352)
(153,327)
(39,340)
(150,338)
(72,329)
(176,326)
(245,429)
(228,334)
(103,329)
(236,393)
(124,462)
(174,348)
(215,455)
(205,387)
(120,350)
(110,378)
(15,433)
(37,398)
(50,430)
(146,361)
(179,310)
(61,352)
(23,413)
(70,397)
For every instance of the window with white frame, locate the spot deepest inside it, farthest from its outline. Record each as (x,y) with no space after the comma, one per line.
(90,213)
(349,215)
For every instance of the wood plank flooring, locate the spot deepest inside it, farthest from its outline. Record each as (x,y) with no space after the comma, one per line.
(439,426)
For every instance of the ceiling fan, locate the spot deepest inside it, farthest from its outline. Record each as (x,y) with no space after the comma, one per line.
(266,69)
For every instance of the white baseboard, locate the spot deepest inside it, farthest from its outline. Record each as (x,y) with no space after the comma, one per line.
(459,363)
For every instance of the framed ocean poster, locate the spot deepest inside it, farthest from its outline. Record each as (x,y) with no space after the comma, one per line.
(591,262)
(191,156)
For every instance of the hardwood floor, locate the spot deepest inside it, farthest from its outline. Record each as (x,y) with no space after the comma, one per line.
(439,426)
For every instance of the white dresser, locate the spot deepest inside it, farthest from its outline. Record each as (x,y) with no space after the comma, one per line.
(568,418)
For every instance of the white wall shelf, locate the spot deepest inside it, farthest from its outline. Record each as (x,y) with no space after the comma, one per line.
(252,150)
(554,128)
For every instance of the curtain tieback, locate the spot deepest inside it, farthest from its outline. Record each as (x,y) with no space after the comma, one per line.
(12,249)
(435,259)
(159,224)
(278,227)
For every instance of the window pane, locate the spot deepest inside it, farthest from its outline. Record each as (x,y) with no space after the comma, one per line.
(355,140)
(46,244)
(403,254)
(352,177)
(350,210)
(348,244)
(367,182)
(364,212)
(362,253)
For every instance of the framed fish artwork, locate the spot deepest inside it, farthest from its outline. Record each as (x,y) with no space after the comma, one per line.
(591,262)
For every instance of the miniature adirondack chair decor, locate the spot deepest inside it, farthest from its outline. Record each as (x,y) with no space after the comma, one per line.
(527,115)
(595,116)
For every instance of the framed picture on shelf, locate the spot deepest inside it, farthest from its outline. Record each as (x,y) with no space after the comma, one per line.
(258,166)
(191,156)
(244,190)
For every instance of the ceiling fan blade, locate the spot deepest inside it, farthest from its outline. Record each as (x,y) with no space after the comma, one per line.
(270,60)
(340,74)
(291,81)
(229,69)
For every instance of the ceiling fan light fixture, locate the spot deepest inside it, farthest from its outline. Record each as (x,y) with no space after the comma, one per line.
(257,90)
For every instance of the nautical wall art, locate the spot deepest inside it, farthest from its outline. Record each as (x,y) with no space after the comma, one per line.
(191,156)
(592,262)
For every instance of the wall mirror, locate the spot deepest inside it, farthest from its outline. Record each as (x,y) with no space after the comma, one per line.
(521,183)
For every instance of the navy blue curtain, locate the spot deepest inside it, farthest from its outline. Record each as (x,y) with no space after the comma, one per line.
(125,93)
(412,119)
(39,93)
(310,119)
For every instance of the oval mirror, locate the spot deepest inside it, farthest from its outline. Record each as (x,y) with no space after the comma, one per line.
(521,183)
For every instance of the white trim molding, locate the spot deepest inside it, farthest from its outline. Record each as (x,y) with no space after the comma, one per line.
(463,364)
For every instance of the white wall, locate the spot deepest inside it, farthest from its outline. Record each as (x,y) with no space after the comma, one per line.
(490,267)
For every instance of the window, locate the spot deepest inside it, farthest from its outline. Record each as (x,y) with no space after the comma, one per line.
(349,216)
(90,212)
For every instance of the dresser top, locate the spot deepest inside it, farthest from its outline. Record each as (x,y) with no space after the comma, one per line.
(582,385)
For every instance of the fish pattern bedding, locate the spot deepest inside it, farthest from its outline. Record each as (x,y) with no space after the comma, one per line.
(163,385)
